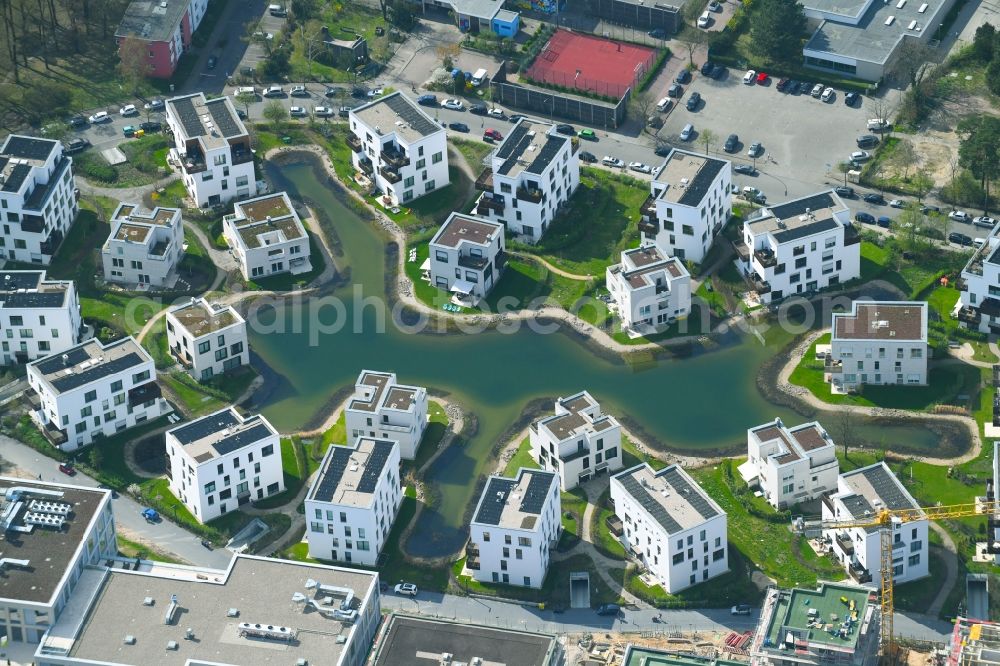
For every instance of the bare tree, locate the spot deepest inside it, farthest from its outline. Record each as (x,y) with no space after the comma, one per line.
(904,157)
(312,43)
(914,61)
(881,109)
(133,62)
(846,422)
(641,104)
(447,53)
(246,98)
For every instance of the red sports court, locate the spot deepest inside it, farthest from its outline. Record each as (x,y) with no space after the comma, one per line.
(585,62)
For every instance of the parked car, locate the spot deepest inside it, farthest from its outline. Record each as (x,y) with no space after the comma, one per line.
(750,77)
(959,239)
(588,134)
(493,134)
(867,141)
(640,167)
(874,198)
(322,111)
(745,169)
(298,91)
(741,609)
(864,218)
(151,515)
(496,112)
(77,122)
(67,469)
(714,6)
(76,145)
(516,117)
(609,609)
(344,112)
(211,62)
(129,131)
(358,92)
(884,221)
(479,109)
(340,92)
(860,156)
(817,90)
(959,216)
(588,157)
(273,91)
(662,149)
(150,126)
(756,150)
(687,133)
(782,85)
(654,121)
(929,209)
(297,111)
(453,104)
(155,105)
(277,11)
(896,203)
(828,94)
(458,127)
(844,191)
(683,76)
(657,33)
(664,105)
(732,144)
(877,124)
(708,69)
(409,589)
(985,221)
(128,110)
(607,160)
(675,90)
(762,78)
(693,101)
(852,99)
(704,20)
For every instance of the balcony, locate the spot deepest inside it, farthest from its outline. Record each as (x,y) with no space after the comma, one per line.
(241,155)
(575,455)
(833,366)
(396,159)
(485,180)
(193,162)
(859,573)
(961,285)
(530,195)
(845,543)
(757,284)
(742,251)
(969,315)
(614,524)
(488,205)
(179,354)
(354,142)
(390,175)
(851,235)
(648,209)
(473,263)
(975,265)
(500,261)
(472,556)
(765,257)
(366,167)
(52,243)
(650,227)
(32,224)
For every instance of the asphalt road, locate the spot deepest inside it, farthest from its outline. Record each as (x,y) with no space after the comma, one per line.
(166,535)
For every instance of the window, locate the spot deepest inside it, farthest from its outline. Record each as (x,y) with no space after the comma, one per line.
(421,164)
(718,555)
(486,537)
(210,487)
(116,386)
(408,182)
(236,348)
(524,541)
(436,157)
(86,411)
(913,560)
(267,450)
(678,558)
(221,354)
(315,527)
(90,396)
(140,376)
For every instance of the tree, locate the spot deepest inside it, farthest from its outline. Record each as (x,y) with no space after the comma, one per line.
(56,129)
(401,15)
(977,150)
(777,28)
(707,137)
(133,65)
(275,113)
(922,183)
(880,108)
(447,53)
(641,104)
(303,10)
(246,98)
(937,226)
(984,44)
(908,226)
(903,157)
(692,38)
(458,83)
(846,422)
(993,76)
(312,44)
(914,61)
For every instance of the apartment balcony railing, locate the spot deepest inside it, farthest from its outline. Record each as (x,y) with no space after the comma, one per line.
(834,366)
(532,195)
(32,224)
(615,525)
(742,251)
(859,573)
(354,142)
(485,180)
(969,315)
(851,235)
(395,159)
(193,162)
(500,261)
(472,556)
(241,156)
(650,227)
(474,263)
(766,258)
(575,455)
(390,175)
(648,209)
(961,285)
(757,284)
(845,543)
(975,265)
(52,243)
(366,166)
(487,204)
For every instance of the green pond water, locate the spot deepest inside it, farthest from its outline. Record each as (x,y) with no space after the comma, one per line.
(704,402)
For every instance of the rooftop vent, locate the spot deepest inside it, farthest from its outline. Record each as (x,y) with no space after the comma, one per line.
(889,20)
(189,634)
(923,8)
(172,645)
(301,661)
(233,612)
(129,640)
(913,25)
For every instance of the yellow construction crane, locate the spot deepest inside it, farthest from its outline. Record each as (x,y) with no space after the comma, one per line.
(889,520)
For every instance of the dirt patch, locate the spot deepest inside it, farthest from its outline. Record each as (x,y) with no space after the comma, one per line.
(150,454)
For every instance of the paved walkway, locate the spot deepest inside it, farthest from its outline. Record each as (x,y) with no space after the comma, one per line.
(951,562)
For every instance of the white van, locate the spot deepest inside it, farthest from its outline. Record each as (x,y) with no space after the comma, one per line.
(687,132)
(978,242)
(478,77)
(663,104)
(877,123)
(704,20)
(277,11)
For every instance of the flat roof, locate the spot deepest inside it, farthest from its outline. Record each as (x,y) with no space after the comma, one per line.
(349,475)
(530,147)
(460,228)
(260,590)
(199,317)
(517,502)
(872,488)
(212,121)
(30,148)
(152,20)
(686,177)
(575,420)
(670,496)
(266,220)
(484,9)
(882,320)
(636,655)
(640,265)
(414,640)
(30,289)
(799,218)
(796,442)
(397,114)
(48,550)
(807,615)
(221,433)
(90,361)
(135,214)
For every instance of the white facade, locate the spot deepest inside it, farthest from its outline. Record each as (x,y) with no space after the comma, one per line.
(38,317)
(650,290)
(671,524)
(467,256)
(800,246)
(859,495)
(222,461)
(211,149)
(37,199)
(144,247)
(353,501)
(979,296)
(688,205)
(42,572)
(207,339)
(401,149)
(267,237)
(94,390)
(577,442)
(516,523)
(535,171)
(381,408)
(791,465)
(878,343)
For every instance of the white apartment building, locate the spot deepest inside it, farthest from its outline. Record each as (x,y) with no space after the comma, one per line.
(802,245)
(93,390)
(860,494)
(650,290)
(267,237)
(878,342)
(37,198)
(382,408)
(688,205)
(208,340)
(467,256)
(353,501)
(978,305)
(578,442)
(517,521)
(534,171)
(38,317)
(144,247)
(222,461)
(401,149)
(790,465)
(671,524)
(53,533)
(211,149)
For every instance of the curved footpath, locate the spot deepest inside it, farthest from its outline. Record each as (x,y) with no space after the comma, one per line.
(785,386)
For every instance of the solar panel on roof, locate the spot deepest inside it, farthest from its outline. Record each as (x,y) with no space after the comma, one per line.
(241,439)
(340,458)
(702,181)
(374,466)
(53,363)
(10,280)
(405,109)
(224,120)
(28,147)
(694,496)
(70,382)
(206,425)
(655,509)
(887,487)
(52,299)
(545,155)
(494,499)
(799,206)
(184,108)
(535,494)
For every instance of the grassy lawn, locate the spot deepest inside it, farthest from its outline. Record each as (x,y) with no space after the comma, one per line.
(694,324)
(287,281)
(632,457)
(918,595)
(199,398)
(769,545)
(943,328)
(944,384)
(145,157)
(881,259)
(603,539)
(437,425)
(522,458)
(344,19)
(599,223)
(474,152)
(128,548)
(721,592)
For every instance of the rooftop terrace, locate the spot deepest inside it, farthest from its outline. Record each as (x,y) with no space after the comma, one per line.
(459,228)
(815,617)
(516,502)
(670,496)
(687,177)
(200,318)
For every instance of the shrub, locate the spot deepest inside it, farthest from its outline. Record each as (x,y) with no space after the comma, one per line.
(92,169)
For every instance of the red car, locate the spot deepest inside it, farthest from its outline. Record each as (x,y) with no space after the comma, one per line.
(67,469)
(493,134)
(762,78)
